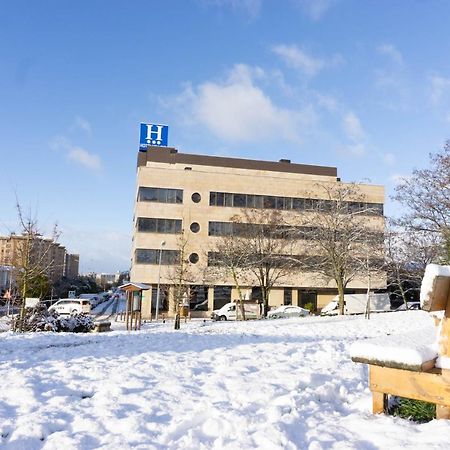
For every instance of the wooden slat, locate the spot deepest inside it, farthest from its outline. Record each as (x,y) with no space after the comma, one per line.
(439,296)
(426,386)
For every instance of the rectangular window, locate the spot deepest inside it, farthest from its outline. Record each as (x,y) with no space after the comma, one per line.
(228,199)
(298,204)
(269,202)
(212,198)
(239,200)
(287,296)
(160,195)
(157,225)
(219,198)
(151,256)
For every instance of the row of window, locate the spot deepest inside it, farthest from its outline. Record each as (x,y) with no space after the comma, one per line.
(248,229)
(151,256)
(287,203)
(160,195)
(236,200)
(159,225)
(168,257)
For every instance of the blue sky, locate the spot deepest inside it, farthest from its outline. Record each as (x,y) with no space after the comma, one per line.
(361,85)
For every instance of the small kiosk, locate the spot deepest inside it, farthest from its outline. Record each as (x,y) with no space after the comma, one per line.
(133,311)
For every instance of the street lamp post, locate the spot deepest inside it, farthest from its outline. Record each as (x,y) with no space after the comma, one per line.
(163,243)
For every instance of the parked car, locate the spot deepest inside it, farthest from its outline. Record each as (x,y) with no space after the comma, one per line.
(228,312)
(71,306)
(287,311)
(93,298)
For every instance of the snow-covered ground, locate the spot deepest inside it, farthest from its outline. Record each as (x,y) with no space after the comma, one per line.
(287,384)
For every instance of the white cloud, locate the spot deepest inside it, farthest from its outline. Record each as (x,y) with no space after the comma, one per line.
(297,58)
(237,109)
(389,158)
(354,133)
(352,127)
(391,52)
(84,158)
(439,87)
(76,153)
(315,9)
(249,7)
(81,124)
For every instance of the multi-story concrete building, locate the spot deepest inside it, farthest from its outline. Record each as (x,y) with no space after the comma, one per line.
(196,196)
(71,269)
(48,253)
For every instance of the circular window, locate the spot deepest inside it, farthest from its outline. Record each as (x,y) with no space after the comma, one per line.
(195,227)
(196,197)
(193,258)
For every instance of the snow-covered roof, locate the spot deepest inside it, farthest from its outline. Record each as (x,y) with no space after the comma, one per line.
(131,286)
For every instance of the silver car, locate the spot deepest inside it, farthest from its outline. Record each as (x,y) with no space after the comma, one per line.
(287,311)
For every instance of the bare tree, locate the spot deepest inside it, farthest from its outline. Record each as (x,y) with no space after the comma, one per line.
(180,276)
(230,256)
(426,195)
(31,260)
(268,246)
(407,253)
(338,241)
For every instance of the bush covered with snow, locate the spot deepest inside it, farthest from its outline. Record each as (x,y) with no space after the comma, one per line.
(39,319)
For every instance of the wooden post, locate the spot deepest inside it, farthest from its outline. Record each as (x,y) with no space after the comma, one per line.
(379,402)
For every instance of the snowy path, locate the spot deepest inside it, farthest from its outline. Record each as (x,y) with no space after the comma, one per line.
(286,384)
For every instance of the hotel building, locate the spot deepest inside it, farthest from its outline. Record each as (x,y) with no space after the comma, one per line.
(195,196)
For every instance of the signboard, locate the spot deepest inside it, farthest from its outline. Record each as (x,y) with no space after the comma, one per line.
(153,134)
(71,294)
(31,302)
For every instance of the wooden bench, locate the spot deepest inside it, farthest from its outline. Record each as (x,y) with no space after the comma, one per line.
(421,369)
(101,326)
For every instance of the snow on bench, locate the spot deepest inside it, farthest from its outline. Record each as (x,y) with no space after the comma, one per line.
(410,351)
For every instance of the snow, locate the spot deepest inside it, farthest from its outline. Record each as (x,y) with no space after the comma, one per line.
(408,350)
(431,272)
(284,384)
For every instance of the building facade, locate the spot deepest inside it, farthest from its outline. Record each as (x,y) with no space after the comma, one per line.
(51,255)
(194,197)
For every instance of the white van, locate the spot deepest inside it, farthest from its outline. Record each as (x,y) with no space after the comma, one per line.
(71,306)
(356,304)
(228,312)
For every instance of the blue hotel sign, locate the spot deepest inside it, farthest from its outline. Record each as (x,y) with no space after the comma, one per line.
(152,134)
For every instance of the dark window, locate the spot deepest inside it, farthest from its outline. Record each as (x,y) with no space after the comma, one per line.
(269,202)
(239,200)
(161,195)
(259,201)
(222,296)
(287,296)
(157,225)
(163,298)
(193,258)
(198,298)
(196,197)
(228,200)
(256,293)
(213,198)
(151,256)
(220,199)
(195,227)
(307,299)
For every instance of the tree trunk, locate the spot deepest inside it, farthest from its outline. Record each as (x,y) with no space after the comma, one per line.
(340,287)
(240,300)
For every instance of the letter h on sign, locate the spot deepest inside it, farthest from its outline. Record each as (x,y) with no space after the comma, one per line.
(152,134)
